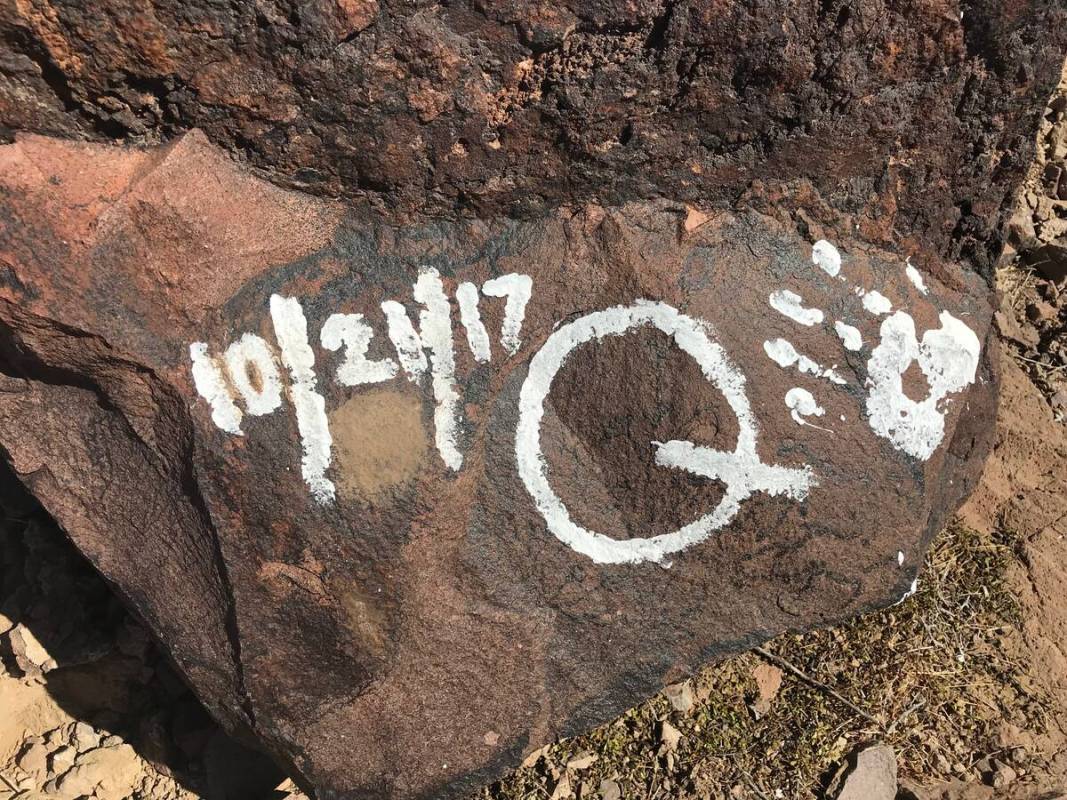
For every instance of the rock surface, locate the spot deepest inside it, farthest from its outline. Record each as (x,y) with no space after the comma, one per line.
(912,117)
(479,552)
(873,776)
(406,492)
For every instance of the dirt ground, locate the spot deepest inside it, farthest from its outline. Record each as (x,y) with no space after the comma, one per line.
(966,679)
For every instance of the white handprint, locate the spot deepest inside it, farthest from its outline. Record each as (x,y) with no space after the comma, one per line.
(948,357)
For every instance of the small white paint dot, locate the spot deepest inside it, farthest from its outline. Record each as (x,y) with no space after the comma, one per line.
(825,256)
(877,303)
(900,557)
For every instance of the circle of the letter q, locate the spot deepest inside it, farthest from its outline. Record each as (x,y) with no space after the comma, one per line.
(741,470)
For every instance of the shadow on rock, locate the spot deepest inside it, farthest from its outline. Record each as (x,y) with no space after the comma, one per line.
(62,627)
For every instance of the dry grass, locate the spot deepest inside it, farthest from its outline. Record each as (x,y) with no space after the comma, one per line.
(934,676)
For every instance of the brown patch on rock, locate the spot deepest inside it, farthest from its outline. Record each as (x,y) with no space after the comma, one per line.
(356,15)
(381,442)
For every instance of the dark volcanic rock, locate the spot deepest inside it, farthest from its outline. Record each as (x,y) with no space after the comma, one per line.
(408,486)
(665,436)
(912,116)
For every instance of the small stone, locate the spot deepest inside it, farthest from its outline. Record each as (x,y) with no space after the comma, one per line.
(34,759)
(534,757)
(582,761)
(874,777)
(768,681)
(681,696)
(1010,328)
(1059,400)
(563,789)
(62,760)
(694,218)
(29,652)
(1040,311)
(1050,261)
(1003,775)
(112,773)
(84,737)
(54,738)
(669,735)
(610,790)
(111,741)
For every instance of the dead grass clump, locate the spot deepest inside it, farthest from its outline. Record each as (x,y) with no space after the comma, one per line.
(934,676)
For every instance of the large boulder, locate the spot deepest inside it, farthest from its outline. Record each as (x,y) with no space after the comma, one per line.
(407,490)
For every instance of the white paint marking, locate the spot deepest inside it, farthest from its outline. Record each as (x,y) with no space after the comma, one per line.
(900,558)
(405,340)
(825,256)
(207,377)
(850,336)
(876,303)
(801,403)
(251,351)
(789,303)
(352,333)
(741,470)
(785,355)
(291,329)
(435,332)
(733,469)
(477,338)
(916,278)
(948,357)
(517,289)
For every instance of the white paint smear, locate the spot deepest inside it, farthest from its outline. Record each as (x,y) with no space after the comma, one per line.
(354,335)
(948,357)
(517,289)
(877,303)
(207,377)
(825,256)
(435,331)
(405,340)
(916,278)
(801,403)
(477,338)
(741,471)
(250,352)
(291,329)
(790,304)
(785,355)
(900,558)
(850,336)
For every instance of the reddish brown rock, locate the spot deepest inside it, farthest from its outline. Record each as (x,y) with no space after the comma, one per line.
(915,118)
(403,585)
(402,568)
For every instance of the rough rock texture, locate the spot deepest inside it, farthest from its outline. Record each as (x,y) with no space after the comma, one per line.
(401,568)
(425,609)
(873,777)
(914,117)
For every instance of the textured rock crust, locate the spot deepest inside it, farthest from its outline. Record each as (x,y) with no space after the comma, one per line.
(915,117)
(420,634)
(429,610)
